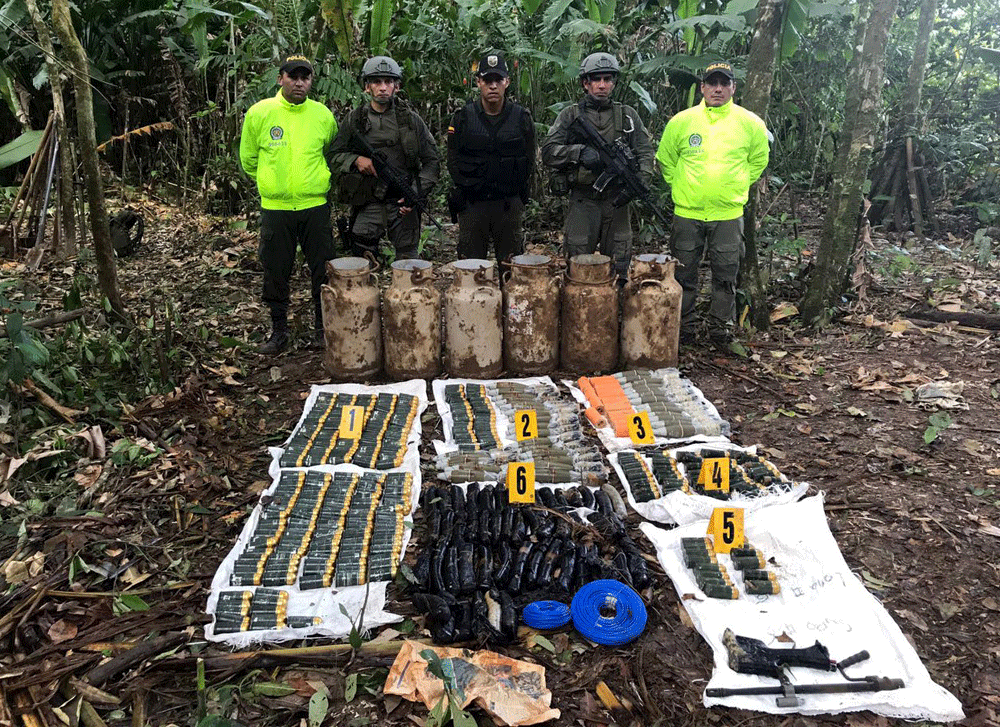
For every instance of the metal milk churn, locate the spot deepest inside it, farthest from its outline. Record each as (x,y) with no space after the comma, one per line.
(590,315)
(651,313)
(473,334)
(531,316)
(411,322)
(351,322)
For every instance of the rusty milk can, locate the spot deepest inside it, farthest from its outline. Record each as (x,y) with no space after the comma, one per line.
(531,316)
(411,322)
(473,334)
(351,321)
(651,313)
(590,315)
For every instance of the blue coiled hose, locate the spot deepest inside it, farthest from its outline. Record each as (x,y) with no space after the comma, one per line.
(546,615)
(626,624)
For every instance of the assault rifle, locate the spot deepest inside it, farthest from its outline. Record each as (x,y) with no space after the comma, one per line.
(620,166)
(396,181)
(752,656)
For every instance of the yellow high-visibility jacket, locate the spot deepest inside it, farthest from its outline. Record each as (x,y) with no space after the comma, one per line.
(710,156)
(282,149)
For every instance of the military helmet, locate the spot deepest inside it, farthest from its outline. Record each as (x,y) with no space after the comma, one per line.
(599,63)
(381,67)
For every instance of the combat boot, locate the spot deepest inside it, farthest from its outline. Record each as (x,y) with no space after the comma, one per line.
(278,341)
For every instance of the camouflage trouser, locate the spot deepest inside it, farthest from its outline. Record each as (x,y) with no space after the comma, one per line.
(378,219)
(594,225)
(724,242)
(496,221)
(281,231)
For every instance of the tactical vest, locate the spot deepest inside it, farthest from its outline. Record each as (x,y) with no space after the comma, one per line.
(581,178)
(355,188)
(493,159)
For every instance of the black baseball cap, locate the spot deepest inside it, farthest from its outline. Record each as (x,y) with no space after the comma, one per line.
(294,63)
(492,64)
(720,67)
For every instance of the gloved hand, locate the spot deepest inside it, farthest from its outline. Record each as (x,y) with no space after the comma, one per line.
(590,159)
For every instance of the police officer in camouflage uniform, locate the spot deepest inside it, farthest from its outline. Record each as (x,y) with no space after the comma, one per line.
(402,137)
(491,158)
(593,223)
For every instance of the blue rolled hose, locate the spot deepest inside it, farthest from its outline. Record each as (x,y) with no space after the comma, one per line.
(626,624)
(546,615)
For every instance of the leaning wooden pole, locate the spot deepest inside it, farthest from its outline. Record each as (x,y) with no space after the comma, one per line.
(104,253)
(67,246)
(22,192)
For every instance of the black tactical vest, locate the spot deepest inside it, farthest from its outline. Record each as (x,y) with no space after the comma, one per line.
(492,158)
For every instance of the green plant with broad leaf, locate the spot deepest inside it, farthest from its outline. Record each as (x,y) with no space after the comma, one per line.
(448,709)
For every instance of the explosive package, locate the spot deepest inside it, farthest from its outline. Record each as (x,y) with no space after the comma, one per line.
(676,408)
(652,474)
(482,558)
(484,435)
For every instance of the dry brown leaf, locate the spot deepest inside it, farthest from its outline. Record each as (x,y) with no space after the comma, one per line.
(783,310)
(18,571)
(62,630)
(682,612)
(87,476)
(914,619)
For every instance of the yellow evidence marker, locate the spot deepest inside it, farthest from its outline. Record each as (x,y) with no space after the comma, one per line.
(714,474)
(726,528)
(352,421)
(525,424)
(521,482)
(639,429)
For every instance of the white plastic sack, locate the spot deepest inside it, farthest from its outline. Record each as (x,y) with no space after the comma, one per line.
(820,599)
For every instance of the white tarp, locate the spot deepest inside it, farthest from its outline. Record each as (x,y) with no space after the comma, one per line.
(820,599)
(327,604)
(682,508)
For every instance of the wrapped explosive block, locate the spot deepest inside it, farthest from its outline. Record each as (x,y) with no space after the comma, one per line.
(387,421)
(710,575)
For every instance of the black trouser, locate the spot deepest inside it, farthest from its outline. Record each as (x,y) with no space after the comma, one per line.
(491,220)
(281,232)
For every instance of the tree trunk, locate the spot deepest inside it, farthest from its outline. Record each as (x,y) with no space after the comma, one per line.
(898,157)
(918,68)
(67,246)
(756,96)
(864,96)
(104,253)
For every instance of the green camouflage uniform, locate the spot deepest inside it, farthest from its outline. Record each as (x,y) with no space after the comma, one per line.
(593,223)
(406,146)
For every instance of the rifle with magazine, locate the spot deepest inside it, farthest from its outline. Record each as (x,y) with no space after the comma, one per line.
(620,167)
(396,181)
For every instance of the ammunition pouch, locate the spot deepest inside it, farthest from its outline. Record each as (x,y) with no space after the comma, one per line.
(559,184)
(356,189)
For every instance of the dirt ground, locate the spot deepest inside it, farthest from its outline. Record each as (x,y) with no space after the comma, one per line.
(918,522)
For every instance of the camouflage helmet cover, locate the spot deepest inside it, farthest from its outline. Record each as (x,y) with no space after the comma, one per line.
(599,63)
(381,67)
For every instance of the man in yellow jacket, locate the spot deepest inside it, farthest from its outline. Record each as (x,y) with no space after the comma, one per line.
(710,154)
(282,148)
